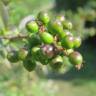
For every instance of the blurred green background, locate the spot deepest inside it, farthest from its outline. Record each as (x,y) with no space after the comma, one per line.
(16,81)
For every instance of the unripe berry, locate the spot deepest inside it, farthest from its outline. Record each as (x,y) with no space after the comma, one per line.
(56,63)
(44,17)
(29,64)
(13,56)
(65,33)
(39,56)
(47,38)
(67,42)
(77,42)
(55,27)
(69,51)
(75,58)
(34,40)
(22,54)
(67,25)
(32,27)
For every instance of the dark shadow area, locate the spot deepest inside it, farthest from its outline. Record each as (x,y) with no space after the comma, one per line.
(88,72)
(69,4)
(90,24)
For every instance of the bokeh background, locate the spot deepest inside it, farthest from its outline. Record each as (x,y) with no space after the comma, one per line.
(16,81)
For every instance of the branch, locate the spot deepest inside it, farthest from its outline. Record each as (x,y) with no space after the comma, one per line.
(14,37)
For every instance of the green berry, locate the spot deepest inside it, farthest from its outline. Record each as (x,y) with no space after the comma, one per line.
(29,64)
(55,27)
(77,42)
(39,56)
(32,27)
(65,33)
(22,54)
(67,42)
(69,51)
(76,58)
(56,63)
(68,33)
(67,25)
(34,40)
(47,38)
(44,17)
(13,56)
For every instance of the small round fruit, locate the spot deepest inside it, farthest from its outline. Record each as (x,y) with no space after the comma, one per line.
(39,56)
(67,25)
(32,27)
(48,50)
(68,33)
(34,40)
(35,49)
(75,58)
(13,56)
(65,33)
(69,51)
(55,27)
(56,63)
(67,42)
(62,34)
(47,38)
(29,64)
(44,17)
(22,54)
(77,42)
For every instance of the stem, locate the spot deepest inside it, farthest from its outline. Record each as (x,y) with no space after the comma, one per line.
(14,37)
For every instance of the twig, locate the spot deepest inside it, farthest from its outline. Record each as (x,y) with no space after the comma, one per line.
(14,37)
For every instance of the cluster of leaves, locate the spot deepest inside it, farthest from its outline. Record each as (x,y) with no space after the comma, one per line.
(48,41)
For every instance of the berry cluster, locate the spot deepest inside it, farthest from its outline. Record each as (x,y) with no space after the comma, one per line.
(48,42)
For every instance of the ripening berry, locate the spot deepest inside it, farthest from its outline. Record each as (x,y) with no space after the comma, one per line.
(44,17)
(67,42)
(47,38)
(75,58)
(32,27)
(48,50)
